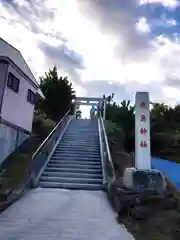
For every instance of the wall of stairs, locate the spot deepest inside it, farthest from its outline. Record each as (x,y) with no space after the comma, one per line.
(76,161)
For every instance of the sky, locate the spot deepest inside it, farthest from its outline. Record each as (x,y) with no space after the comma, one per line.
(104,46)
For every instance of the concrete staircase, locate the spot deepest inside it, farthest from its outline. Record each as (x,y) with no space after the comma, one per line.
(76,162)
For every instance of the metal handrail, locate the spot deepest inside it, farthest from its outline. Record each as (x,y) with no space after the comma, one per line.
(107,160)
(36,163)
(45,150)
(102,152)
(50,134)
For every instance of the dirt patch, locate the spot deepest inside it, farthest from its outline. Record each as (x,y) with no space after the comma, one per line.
(159,224)
(15,166)
(156,220)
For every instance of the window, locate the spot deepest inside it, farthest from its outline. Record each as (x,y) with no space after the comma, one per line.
(31,97)
(13,82)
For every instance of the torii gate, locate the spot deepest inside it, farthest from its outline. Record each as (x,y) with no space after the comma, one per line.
(89,101)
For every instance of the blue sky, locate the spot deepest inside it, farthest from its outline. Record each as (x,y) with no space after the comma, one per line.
(119,46)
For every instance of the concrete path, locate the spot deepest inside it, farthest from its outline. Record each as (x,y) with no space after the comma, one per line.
(53,214)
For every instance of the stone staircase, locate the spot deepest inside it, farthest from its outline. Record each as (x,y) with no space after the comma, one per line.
(76,161)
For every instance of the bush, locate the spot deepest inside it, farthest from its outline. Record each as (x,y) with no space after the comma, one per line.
(111,127)
(42,126)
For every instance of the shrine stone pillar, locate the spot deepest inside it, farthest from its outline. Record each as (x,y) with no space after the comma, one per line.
(142,131)
(142,176)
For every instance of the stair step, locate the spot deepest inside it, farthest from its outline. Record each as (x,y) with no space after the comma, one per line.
(76,157)
(69,169)
(69,142)
(76,160)
(74,150)
(78,148)
(88,132)
(75,154)
(75,186)
(87,166)
(72,143)
(81,136)
(73,175)
(74,165)
(97,163)
(87,142)
(70,180)
(80,140)
(75,144)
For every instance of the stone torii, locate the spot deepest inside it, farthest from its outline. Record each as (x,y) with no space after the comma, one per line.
(89,101)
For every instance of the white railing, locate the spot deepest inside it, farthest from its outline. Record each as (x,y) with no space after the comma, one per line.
(107,164)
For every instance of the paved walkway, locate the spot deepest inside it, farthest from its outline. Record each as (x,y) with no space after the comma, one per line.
(53,214)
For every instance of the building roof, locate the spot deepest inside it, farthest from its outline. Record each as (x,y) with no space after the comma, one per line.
(10,52)
(7,50)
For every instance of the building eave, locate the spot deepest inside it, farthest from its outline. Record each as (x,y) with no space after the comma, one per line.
(40,93)
(17,54)
(8,60)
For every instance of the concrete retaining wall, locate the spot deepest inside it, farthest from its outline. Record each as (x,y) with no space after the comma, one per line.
(10,139)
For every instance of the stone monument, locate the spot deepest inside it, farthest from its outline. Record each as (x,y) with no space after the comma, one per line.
(142,177)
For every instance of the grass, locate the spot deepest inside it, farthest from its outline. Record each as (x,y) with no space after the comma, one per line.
(15,166)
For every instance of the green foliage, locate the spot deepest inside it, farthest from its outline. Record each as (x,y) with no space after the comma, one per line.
(111,127)
(123,116)
(109,98)
(165,118)
(42,126)
(58,92)
(165,126)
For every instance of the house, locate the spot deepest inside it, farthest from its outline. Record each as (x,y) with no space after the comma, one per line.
(18,91)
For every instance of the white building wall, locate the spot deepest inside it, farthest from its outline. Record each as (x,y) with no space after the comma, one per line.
(15,107)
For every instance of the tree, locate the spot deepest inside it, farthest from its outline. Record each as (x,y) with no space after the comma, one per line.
(58,94)
(109,98)
(123,116)
(162,117)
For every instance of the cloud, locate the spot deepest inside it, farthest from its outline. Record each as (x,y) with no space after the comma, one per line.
(119,18)
(93,87)
(143,26)
(61,53)
(163,22)
(65,60)
(103,46)
(166,3)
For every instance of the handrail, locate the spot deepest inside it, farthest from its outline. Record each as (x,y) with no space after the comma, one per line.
(106,141)
(38,160)
(41,156)
(102,152)
(50,134)
(107,160)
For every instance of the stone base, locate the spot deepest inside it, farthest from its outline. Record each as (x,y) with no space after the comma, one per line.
(144,180)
